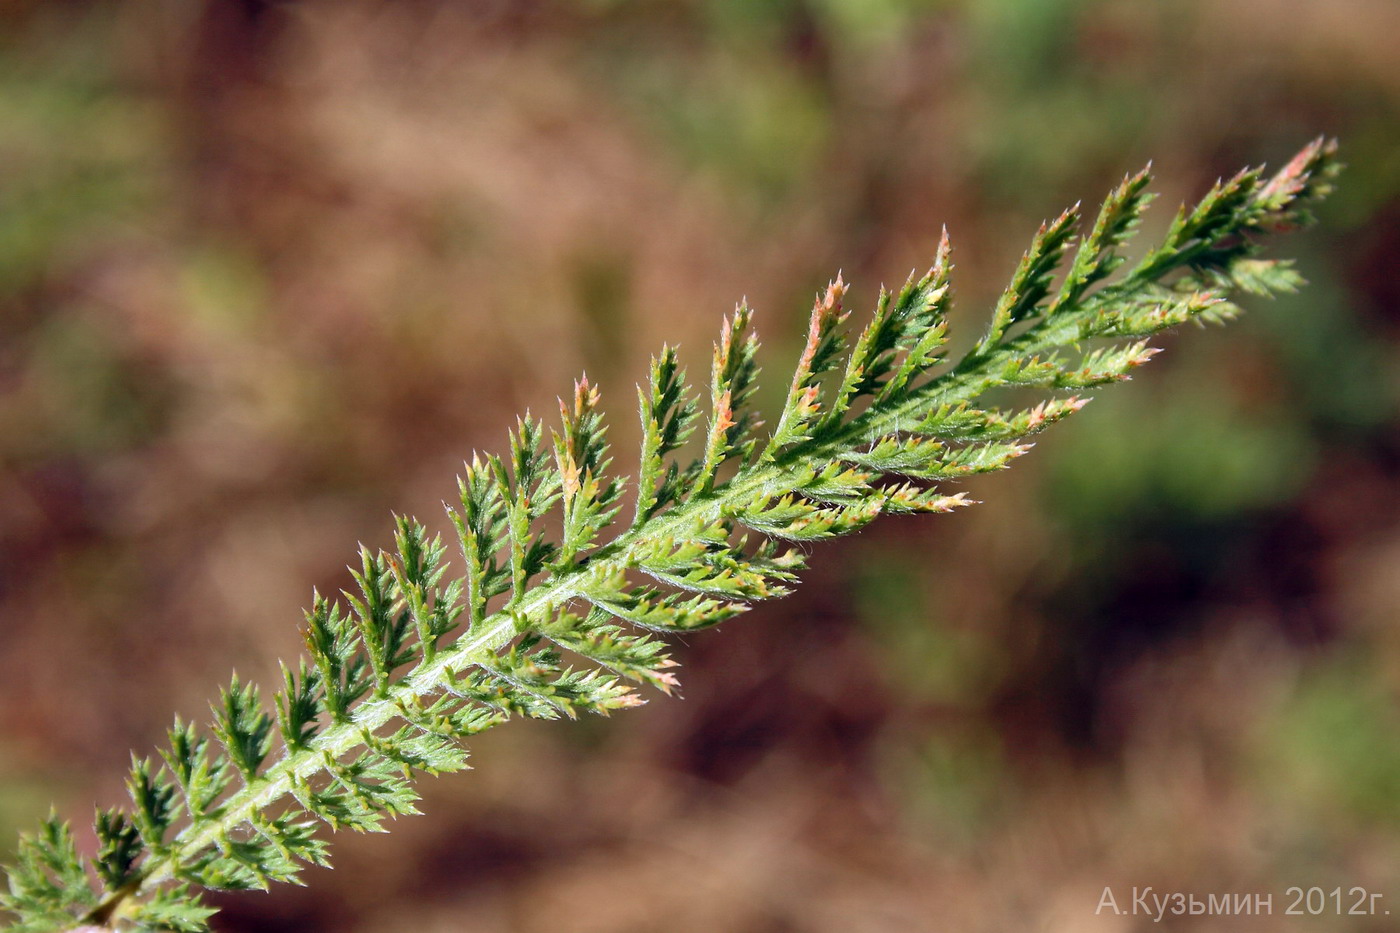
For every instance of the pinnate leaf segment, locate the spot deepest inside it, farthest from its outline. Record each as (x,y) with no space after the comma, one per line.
(546,616)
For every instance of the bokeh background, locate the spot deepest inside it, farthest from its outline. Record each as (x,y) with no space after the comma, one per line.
(270,270)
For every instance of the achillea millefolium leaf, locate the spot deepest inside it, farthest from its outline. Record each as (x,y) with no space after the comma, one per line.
(550,615)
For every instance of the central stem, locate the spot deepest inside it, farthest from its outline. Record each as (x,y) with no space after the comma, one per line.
(499,629)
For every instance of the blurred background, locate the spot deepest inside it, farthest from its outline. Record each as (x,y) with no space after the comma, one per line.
(270,270)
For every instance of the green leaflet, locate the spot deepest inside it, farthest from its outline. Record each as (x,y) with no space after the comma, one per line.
(548,616)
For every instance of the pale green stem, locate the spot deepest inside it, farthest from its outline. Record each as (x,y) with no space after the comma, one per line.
(497,630)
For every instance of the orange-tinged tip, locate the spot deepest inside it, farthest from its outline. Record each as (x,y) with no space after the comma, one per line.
(945,246)
(945,504)
(1142,355)
(1288,183)
(724,413)
(835,291)
(736,323)
(585,397)
(570,474)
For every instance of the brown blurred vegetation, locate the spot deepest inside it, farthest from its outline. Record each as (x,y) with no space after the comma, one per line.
(269,271)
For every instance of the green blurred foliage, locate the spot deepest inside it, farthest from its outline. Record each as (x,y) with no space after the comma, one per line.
(1334,736)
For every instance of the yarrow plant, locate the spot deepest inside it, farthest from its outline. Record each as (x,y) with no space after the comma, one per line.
(415,659)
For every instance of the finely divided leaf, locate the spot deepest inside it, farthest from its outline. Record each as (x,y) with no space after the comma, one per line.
(544,616)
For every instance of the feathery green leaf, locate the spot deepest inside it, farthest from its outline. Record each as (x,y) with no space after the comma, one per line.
(547,618)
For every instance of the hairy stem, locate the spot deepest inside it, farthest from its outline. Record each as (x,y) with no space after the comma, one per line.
(499,629)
